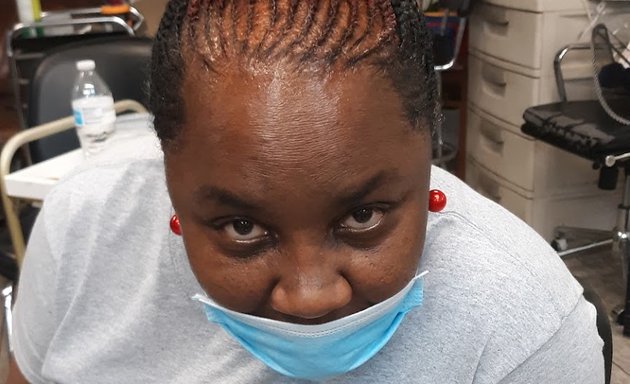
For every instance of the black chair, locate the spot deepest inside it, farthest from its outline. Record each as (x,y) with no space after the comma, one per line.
(121,61)
(25,49)
(593,131)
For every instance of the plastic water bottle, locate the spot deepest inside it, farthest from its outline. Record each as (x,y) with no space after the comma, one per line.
(93,108)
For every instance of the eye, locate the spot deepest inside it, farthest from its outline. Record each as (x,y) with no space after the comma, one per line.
(244,230)
(363,219)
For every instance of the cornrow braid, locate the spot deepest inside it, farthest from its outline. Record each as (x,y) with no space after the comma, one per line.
(389,35)
(418,87)
(166,70)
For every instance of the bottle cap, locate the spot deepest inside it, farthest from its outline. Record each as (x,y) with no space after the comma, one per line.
(86,65)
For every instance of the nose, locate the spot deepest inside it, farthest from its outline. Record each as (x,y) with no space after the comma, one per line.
(311,296)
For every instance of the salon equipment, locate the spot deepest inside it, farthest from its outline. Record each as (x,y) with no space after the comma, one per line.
(29,43)
(595,131)
(448,25)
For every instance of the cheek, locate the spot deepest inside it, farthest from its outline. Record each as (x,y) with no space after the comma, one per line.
(385,271)
(235,284)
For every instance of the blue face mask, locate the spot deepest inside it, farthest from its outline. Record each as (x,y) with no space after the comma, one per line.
(317,352)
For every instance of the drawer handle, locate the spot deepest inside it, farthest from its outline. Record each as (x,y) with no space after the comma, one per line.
(494,197)
(494,75)
(489,188)
(496,18)
(492,133)
(494,81)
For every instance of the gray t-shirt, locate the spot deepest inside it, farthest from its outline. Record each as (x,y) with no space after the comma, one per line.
(105,297)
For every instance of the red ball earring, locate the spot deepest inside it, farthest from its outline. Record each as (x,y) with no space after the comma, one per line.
(175,227)
(437,200)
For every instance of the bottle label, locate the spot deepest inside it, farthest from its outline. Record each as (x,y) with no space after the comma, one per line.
(94,114)
(78,118)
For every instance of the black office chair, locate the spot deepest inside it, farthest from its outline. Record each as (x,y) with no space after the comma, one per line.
(121,61)
(594,130)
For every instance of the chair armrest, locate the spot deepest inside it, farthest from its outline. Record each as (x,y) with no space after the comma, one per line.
(20,27)
(557,66)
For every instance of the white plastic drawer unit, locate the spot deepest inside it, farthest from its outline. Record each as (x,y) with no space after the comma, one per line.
(491,186)
(524,37)
(491,143)
(509,34)
(500,91)
(595,210)
(539,6)
(505,90)
(534,166)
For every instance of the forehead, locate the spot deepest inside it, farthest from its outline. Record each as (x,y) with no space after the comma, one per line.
(280,124)
(277,103)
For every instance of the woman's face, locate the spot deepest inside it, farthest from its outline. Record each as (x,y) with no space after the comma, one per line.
(300,199)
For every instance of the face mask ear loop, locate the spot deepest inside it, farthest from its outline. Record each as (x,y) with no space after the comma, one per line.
(421,274)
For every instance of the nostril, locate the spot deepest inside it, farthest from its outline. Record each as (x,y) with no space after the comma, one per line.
(310,300)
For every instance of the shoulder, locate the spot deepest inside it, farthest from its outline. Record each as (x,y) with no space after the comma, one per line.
(103,198)
(498,271)
(109,181)
(492,240)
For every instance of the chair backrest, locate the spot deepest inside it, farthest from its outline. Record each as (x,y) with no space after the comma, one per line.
(611,79)
(448,24)
(121,61)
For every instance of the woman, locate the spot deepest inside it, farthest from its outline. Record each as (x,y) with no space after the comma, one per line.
(296,174)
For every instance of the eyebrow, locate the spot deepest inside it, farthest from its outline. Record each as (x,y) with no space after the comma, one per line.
(222,196)
(356,195)
(352,196)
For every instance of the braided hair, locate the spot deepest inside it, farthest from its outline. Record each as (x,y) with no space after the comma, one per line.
(312,35)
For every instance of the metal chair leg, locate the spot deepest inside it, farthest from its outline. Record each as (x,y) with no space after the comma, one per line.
(573,240)
(621,249)
(7,295)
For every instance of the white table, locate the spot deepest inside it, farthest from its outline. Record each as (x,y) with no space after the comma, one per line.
(133,136)
(34,182)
